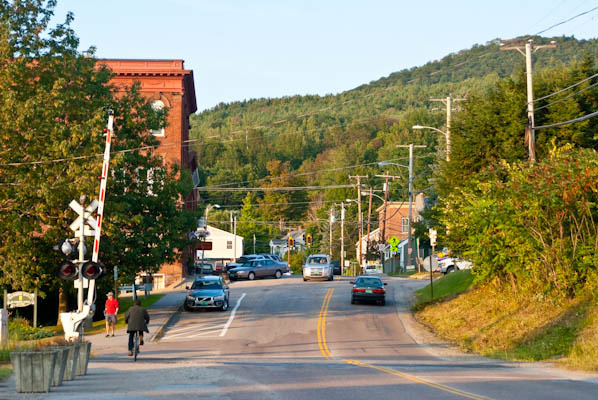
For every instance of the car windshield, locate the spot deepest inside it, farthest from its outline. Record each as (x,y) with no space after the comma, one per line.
(368,282)
(243,260)
(317,260)
(206,285)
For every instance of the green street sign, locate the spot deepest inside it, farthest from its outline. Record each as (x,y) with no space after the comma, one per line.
(19,299)
(393,242)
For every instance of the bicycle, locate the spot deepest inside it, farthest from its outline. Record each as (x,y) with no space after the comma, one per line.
(135,345)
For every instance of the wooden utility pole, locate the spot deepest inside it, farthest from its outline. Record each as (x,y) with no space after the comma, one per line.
(331,221)
(358,177)
(449,107)
(342,236)
(409,233)
(367,240)
(530,135)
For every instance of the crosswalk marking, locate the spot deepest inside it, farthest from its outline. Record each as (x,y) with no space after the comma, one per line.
(216,327)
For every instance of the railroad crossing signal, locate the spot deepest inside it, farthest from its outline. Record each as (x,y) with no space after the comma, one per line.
(84,214)
(309,240)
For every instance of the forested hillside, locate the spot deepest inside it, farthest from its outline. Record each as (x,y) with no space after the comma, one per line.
(321,140)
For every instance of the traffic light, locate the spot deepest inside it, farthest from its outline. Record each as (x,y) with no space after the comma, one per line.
(68,270)
(309,240)
(91,270)
(291,242)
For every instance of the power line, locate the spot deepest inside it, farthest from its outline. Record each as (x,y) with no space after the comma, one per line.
(272,189)
(565,21)
(568,97)
(571,121)
(565,89)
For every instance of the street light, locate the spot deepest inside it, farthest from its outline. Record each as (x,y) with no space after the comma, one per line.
(410,167)
(360,231)
(208,208)
(447,136)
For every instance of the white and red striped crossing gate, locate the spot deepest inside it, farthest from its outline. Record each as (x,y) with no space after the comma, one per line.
(109,131)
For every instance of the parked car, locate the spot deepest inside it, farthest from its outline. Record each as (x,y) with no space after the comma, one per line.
(256,269)
(204,269)
(372,269)
(207,292)
(239,262)
(368,288)
(336,268)
(446,265)
(274,257)
(318,266)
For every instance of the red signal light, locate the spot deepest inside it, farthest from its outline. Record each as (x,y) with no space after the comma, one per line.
(91,270)
(68,270)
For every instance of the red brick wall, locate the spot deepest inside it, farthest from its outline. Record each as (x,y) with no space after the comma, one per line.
(168,81)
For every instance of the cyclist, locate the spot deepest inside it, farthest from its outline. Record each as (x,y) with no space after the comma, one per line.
(137,319)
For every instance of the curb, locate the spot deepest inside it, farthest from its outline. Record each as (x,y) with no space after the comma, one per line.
(158,335)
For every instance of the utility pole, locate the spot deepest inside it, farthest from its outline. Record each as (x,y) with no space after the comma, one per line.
(367,240)
(386,190)
(409,233)
(529,48)
(331,221)
(342,236)
(358,177)
(449,107)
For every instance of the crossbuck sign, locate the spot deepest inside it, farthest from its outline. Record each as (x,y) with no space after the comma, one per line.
(84,214)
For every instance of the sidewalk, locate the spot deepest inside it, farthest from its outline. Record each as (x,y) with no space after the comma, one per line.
(160,313)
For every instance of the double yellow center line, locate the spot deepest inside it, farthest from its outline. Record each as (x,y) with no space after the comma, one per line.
(322,325)
(326,353)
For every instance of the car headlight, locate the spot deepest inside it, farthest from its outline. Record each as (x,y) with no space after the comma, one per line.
(219,298)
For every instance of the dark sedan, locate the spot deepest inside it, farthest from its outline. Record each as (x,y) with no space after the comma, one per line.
(368,288)
(207,292)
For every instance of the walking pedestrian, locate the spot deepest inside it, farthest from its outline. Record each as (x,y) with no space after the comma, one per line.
(110,311)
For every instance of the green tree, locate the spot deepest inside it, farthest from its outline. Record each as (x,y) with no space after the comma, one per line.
(53,102)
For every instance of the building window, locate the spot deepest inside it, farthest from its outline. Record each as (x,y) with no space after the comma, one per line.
(229,244)
(157,105)
(404,225)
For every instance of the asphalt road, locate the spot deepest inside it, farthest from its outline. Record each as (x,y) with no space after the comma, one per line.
(289,339)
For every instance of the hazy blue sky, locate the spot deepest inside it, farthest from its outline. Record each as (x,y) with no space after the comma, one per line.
(265,48)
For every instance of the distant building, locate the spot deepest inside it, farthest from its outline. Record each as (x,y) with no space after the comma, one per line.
(281,246)
(221,247)
(166,83)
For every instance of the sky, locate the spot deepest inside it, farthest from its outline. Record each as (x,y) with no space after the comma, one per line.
(245,49)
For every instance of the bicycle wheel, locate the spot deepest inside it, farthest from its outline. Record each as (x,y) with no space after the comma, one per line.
(136,346)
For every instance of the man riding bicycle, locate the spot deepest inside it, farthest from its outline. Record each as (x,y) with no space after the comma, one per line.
(137,319)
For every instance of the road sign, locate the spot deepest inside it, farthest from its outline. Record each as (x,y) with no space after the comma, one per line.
(19,299)
(433,235)
(84,215)
(393,242)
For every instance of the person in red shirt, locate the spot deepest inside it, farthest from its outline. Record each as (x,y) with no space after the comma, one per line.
(110,311)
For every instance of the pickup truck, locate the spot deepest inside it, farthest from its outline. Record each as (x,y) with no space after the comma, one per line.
(446,265)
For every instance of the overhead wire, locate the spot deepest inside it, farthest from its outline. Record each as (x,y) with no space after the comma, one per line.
(565,21)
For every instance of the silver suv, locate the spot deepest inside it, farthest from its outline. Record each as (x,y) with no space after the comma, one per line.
(318,266)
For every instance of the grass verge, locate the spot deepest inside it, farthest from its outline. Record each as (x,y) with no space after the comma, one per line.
(124,303)
(493,321)
(449,285)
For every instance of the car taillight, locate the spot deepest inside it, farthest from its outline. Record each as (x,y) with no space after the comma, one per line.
(378,291)
(358,290)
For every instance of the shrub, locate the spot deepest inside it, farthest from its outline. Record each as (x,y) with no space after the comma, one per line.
(20,329)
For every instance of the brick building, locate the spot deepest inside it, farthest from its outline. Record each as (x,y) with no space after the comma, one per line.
(167,84)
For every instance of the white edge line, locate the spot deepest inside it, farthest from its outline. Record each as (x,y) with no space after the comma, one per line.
(232,316)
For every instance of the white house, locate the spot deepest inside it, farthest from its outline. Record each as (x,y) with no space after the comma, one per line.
(281,246)
(220,247)
(375,236)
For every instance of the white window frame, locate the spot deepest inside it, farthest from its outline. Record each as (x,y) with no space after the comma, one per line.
(404,225)
(158,105)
